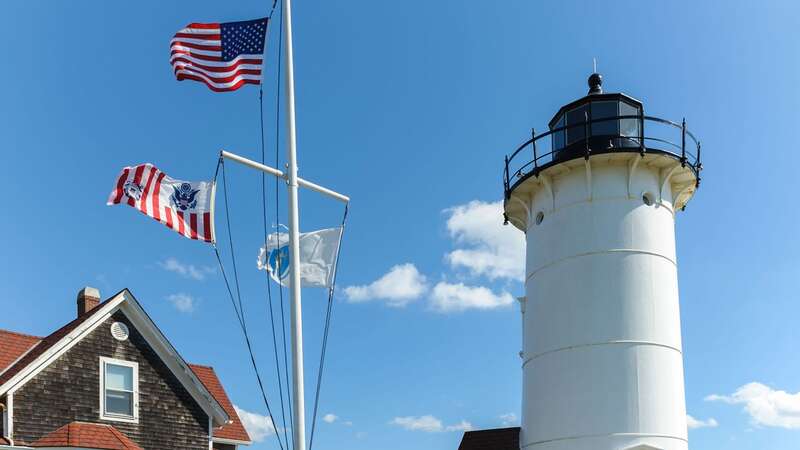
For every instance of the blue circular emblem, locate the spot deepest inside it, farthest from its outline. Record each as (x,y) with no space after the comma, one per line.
(278,262)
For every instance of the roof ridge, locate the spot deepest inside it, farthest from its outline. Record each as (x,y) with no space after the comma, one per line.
(200,365)
(50,340)
(116,434)
(2,330)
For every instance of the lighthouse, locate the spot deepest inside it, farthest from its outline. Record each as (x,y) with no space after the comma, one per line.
(597,194)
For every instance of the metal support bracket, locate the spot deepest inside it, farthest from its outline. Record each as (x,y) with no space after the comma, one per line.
(666,175)
(548,186)
(680,193)
(632,171)
(524,206)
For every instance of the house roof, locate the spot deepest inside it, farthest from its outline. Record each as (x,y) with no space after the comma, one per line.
(45,344)
(234,430)
(494,439)
(18,351)
(87,435)
(13,346)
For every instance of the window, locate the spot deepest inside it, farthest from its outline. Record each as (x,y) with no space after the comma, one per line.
(604,110)
(558,136)
(119,390)
(576,120)
(629,127)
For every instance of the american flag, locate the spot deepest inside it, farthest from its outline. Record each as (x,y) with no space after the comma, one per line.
(224,56)
(185,206)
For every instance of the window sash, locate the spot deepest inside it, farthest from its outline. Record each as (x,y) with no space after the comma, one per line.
(126,403)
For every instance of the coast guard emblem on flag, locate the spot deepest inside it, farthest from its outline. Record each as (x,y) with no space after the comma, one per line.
(183,197)
(185,206)
(133,190)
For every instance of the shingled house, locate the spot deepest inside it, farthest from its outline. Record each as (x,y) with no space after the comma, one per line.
(109,379)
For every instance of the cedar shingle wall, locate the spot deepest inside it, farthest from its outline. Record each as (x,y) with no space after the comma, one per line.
(69,390)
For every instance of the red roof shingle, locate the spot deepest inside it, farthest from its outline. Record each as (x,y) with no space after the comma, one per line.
(234,430)
(87,435)
(13,345)
(45,345)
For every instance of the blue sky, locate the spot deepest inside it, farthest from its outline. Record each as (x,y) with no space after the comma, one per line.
(408,108)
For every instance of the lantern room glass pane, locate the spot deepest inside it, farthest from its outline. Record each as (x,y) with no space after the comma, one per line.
(629,127)
(576,120)
(558,136)
(604,110)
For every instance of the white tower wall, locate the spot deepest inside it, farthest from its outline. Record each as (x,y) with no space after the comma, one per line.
(602,359)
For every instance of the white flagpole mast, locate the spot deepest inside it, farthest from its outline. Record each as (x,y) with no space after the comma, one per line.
(294,240)
(293,181)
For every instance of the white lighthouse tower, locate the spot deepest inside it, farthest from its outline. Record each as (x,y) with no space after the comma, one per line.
(597,195)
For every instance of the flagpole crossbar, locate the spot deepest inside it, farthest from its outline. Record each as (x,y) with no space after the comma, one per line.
(280,174)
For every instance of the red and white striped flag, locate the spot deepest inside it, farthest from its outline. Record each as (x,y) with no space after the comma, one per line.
(224,56)
(185,206)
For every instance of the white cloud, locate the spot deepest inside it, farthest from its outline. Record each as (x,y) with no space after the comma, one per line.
(448,297)
(398,287)
(258,427)
(428,424)
(693,423)
(184,303)
(509,419)
(766,406)
(187,270)
(488,247)
(461,426)
(330,418)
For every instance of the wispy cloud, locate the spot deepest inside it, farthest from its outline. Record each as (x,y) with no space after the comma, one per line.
(766,406)
(400,286)
(509,419)
(258,427)
(447,297)
(330,418)
(694,424)
(184,303)
(428,424)
(486,247)
(198,273)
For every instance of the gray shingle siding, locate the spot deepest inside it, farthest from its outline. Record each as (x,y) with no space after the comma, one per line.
(69,390)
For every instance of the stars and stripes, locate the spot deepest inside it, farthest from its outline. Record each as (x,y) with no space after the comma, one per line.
(184,206)
(224,56)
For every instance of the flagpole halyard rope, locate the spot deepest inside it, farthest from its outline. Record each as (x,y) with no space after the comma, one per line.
(264,222)
(277,220)
(326,332)
(240,314)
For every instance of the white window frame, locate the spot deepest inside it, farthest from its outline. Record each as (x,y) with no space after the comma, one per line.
(135,369)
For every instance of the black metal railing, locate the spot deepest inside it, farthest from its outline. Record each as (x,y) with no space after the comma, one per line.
(555,146)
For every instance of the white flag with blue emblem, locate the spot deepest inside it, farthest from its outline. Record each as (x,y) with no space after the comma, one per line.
(318,250)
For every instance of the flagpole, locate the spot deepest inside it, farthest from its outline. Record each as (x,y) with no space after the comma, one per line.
(294,241)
